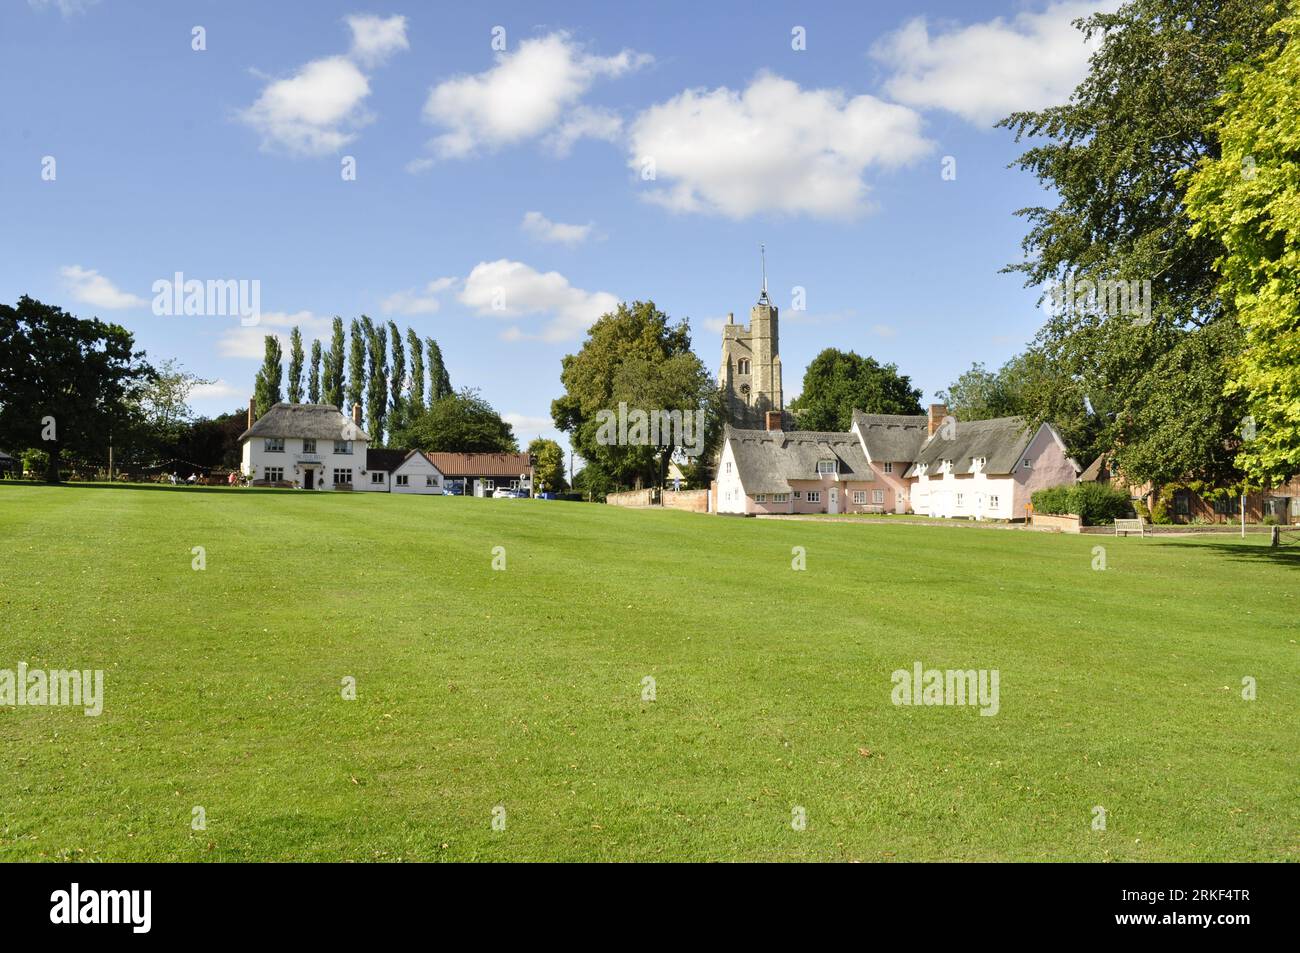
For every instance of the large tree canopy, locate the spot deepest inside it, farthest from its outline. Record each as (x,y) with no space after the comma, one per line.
(633,357)
(266,387)
(840,382)
(66,384)
(1145,113)
(1249,199)
(548,465)
(461,422)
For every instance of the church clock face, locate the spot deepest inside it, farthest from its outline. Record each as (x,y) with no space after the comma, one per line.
(744,389)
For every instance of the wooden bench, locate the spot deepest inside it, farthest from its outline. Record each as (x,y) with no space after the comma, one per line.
(1130,526)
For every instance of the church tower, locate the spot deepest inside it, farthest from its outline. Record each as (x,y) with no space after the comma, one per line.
(750,375)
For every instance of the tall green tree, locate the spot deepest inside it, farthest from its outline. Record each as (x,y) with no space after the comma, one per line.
(357,343)
(463,422)
(314,375)
(417,369)
(266,388)
(1248,198)
(633,356)
(332,387)
(398,374)
(1114,155)
(439,379)
(295,366)
(837,383)
(548,465)
(66,384)
(377,387)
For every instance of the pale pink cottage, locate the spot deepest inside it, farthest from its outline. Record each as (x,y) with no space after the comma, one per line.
(801,471)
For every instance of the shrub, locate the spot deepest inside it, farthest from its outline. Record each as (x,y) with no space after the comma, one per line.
(1097,504)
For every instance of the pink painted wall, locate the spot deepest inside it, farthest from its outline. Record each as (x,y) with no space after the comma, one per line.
(801,505)
(1051,467)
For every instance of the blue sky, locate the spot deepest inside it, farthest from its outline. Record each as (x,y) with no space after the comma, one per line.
(517,177)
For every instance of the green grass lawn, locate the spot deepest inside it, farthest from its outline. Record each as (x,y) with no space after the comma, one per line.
(523,688)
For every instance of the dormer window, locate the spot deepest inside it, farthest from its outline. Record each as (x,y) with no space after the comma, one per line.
(742,366)
(826,466)
(1027,463)
(889,466)
(977,463)
(947,466)
(308,445)
(274,445)
(342,446)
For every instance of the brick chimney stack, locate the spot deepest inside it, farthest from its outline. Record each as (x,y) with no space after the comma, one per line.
(937,413)
(252,411)
(774,420)
(356,414)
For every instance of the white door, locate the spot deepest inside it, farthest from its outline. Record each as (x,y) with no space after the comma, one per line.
(900,501)
(834,505)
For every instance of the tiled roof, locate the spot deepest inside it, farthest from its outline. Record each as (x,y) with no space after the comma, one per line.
(313,421)
(893,437)
(480,464)
(767,460)
(386,460)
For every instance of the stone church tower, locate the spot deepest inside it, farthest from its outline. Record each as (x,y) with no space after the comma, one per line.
(750,376)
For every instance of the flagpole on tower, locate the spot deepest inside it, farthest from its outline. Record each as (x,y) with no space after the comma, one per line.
(762,254)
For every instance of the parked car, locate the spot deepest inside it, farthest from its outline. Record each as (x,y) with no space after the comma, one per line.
(503,493)
(453,488)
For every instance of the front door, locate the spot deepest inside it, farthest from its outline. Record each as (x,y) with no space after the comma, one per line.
(834,505)
(308,478)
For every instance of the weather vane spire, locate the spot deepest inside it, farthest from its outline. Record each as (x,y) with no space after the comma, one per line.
(762,254)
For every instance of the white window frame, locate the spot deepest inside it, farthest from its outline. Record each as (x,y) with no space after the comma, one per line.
(376,476)
(822,467)
(993,502)
(888,466)
(780,497)
(343,446)
(859,497)
(814,496)
(878,497)
(273,445)
(273,474)
(347,471)
(1027,463)
(403,479)
(308,445)
(489,484)
(430,480)
(797,494)
(760,497)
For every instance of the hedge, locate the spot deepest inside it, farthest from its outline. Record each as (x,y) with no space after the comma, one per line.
(1097,503)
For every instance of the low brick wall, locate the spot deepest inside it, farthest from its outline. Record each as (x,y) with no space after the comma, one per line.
(1062,524)
(697,501)
(631,498)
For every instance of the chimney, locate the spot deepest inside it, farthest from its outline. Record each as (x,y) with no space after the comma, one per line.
(252,411)
(356,414)
(937,413)
(773,420)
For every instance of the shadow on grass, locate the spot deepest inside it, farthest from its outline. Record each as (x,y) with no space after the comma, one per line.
(1285,555)
(158,487)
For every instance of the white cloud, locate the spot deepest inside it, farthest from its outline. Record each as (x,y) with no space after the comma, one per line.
(525,94)
(250,342)
(527,427)
(318,110)
(512,290)
(90,287)
(585,122)
(314,112)
(543,229)
(884,330)
(416,166)
(374,39)
(413,301)
(987,70)
(67,8)
(217,390)
(774,147)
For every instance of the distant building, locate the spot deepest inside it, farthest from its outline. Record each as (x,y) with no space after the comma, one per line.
(483,473)
(312,446)
(750,374)
(802,471)
(400,471)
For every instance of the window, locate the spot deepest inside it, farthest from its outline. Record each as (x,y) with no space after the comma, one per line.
(859,497)
(780,497)
(814,496)
(342,476)
(797,494)
(430,481)
(1027,463)
(742,366)
(1225,505)
(760,497)
(403,479)
(489,484)
(961,499)
(274,445)
(825,466)
(877,496)
(274,474)
(889,467)
(993,502)
(309,446)
(977,463)
(376,476)
(514,484)
(728,466)
(1182,503)
(343,446)
(947,466)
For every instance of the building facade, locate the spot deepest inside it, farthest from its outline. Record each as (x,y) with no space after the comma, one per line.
(312,446)
(750,373)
